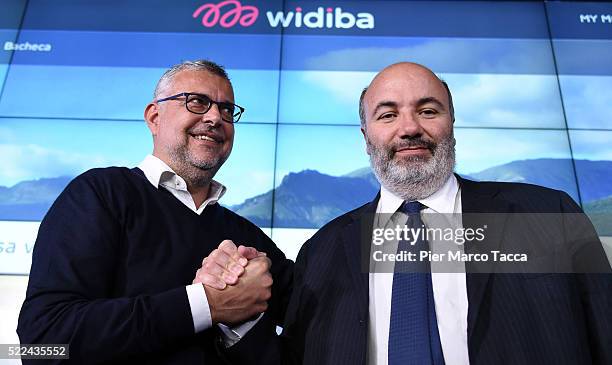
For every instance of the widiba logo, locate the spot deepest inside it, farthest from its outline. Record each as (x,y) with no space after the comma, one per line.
(228,13)
(235,13)
(321,18)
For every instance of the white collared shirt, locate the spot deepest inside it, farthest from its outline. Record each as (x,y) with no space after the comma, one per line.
(160,174)
(449,289)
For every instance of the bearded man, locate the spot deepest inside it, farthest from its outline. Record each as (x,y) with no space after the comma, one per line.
(346,308)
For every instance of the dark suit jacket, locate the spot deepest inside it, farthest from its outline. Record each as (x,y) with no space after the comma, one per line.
(512,318)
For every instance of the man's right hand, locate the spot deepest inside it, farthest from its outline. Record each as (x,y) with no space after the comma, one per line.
(225,264)
(249,297)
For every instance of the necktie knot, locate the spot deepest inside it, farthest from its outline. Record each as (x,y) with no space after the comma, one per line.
(412,207)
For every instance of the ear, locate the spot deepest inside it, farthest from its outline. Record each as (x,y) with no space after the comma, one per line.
(151,116)
(365,138)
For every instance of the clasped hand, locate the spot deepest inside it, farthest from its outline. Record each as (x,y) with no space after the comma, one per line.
(237,282)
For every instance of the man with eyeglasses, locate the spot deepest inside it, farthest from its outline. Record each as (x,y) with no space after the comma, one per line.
(114,266)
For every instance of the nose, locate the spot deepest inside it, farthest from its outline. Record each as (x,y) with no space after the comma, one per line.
(410,125)
(213,115)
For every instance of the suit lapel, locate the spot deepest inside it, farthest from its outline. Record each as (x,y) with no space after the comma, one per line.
(477,201)
(356,238)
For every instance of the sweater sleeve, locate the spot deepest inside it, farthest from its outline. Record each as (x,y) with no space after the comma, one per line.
(70,297)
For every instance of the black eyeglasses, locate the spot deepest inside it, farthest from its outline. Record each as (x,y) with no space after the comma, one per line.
(201,104)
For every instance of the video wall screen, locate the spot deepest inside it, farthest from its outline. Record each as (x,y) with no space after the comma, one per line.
(531,83)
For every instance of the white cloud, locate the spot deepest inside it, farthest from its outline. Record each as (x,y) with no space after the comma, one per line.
(484,100)
(506,100)
(592,145)
(588,101)
(444,55)
(345,86)
(28,162)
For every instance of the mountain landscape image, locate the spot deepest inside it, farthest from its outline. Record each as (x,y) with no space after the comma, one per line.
(309,199)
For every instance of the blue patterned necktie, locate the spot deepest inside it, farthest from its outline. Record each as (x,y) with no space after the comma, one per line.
(413,330)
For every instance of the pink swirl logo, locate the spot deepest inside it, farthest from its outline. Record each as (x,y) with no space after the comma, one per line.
(245,15)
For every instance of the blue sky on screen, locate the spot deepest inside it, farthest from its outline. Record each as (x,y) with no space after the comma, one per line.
(33,149)
(78,92)
(587,100)
(321,97)
(117,92)
(481,100)
(3,69)
(332,150)
(249,170)
(514,101)
(479,149)
(591,145)
(456,55)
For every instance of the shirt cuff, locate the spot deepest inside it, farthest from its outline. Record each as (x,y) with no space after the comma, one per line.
(200,311)
(230,336)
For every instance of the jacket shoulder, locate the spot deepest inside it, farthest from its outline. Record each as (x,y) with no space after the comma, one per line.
(524,197)
(326,238)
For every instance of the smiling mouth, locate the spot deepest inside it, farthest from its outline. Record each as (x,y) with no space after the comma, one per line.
(206,137)
(416,149)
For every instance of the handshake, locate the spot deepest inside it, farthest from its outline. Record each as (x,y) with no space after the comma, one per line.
(237,282)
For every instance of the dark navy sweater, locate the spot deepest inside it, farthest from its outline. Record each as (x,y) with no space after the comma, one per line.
(110,266)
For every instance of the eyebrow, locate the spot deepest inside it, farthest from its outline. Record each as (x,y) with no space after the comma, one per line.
(200,94)
(430,99)
(384,104)
(420,102)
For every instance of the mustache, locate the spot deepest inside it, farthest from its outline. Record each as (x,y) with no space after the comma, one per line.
(206,130)
(413,142)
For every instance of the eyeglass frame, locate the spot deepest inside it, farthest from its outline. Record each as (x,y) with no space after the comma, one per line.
(219,104)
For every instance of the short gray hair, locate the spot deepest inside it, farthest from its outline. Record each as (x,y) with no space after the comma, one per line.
(197,65)
(363,93)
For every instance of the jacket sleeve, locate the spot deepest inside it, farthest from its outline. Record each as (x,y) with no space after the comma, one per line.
(262,345)
(70,297)
(594,279)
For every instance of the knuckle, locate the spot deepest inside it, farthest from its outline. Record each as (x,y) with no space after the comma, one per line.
(227,245)
(208,265)
(266,295)
(257,266)
(267,280)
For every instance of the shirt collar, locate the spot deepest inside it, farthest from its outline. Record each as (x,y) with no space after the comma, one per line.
(159,173)
(442,201)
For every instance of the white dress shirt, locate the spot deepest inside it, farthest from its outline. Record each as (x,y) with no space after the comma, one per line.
(160,174)
(449,289)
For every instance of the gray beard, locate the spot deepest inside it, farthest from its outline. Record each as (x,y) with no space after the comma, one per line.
(413,178)
(195,173)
